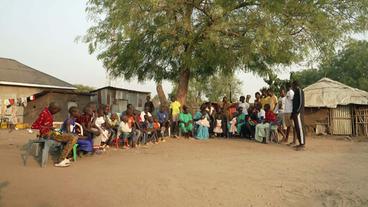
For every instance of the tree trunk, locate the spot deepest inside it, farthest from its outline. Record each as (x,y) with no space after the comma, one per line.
(181,94)
(161,95)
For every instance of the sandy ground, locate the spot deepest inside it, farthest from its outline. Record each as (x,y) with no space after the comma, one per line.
(187,173)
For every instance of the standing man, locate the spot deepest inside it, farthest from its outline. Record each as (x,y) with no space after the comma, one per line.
(257,99)
(288,109)
(297,113)
(149,105)
(248,99)
(243,104)
(272,99)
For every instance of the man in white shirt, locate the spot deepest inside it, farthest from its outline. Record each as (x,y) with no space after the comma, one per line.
(145,113)
(288,109)
(244,105)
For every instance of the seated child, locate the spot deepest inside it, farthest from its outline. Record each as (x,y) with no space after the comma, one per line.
(100,140)
(113,122)
(150,131)
(263,128)
(252,120)
(44,124)
(133,120)
(163,119)
(125,131)
(157,128)
(70,126)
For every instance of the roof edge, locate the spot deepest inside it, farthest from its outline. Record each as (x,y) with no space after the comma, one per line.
(35,85)
(122,89)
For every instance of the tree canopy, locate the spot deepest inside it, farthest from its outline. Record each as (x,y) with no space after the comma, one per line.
(180,39)
(349,66)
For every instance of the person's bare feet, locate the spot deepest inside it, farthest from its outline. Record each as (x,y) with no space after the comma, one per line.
(291,144)
(299,148)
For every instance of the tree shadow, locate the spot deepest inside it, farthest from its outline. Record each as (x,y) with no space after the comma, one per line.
(3,184)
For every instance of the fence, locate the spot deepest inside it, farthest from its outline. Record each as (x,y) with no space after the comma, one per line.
(361,121)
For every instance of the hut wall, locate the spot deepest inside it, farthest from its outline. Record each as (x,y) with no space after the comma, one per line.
(341,120)
(360,120)
(14,92)
(65,101)
(316,118)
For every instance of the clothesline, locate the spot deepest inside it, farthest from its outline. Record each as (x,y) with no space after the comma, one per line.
(8,102)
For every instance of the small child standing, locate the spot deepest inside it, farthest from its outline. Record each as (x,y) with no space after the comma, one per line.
(233,122)
(218,130)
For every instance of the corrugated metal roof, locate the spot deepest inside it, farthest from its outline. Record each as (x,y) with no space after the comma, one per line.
(15,73)
(329,93)
(120,89)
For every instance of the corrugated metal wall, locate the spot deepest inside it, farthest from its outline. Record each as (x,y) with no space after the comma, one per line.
(341,120)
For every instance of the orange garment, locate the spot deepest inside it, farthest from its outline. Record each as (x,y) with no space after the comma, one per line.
(232,110)
(156,125)
(131,121)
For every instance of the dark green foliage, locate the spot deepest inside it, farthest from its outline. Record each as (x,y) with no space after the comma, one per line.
(157,39)
(349,66)
(83,88)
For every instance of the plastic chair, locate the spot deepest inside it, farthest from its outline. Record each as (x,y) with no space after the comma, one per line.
(274,133)
(44,146)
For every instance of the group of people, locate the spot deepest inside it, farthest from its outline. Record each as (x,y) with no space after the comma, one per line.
(96,128)
(262,121)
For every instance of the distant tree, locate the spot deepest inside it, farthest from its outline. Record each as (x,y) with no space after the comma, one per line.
(221,85)
(307,77)
(179,40)
(83,88)
(349,66)
(275,83)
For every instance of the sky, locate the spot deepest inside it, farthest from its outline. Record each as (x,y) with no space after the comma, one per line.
(42,33)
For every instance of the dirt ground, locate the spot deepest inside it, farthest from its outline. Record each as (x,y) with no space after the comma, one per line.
(181,172)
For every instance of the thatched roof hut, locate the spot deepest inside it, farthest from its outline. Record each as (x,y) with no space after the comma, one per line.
(336,107)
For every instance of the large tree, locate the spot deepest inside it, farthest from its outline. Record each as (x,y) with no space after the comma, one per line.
(349,66)
(180,39)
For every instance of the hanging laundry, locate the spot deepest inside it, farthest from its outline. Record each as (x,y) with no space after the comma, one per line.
(19,102)
(24,101)
(6,102)
(12,101)
(31,98)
